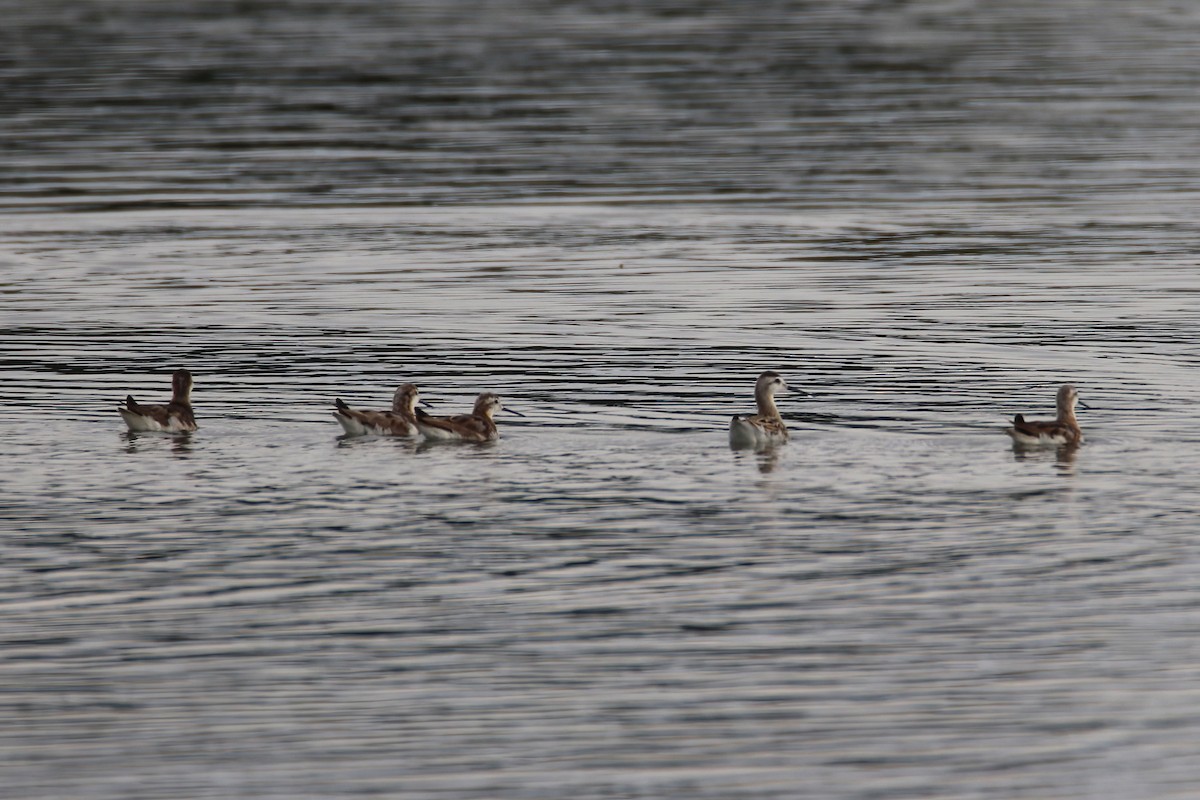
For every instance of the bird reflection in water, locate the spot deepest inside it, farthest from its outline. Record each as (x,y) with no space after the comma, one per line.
(135,442)
(766,458)
(1064,457)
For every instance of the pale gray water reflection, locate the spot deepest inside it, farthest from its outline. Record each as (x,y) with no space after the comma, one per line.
(926,215)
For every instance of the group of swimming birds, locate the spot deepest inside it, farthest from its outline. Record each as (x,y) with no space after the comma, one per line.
(764,429)
(403,419)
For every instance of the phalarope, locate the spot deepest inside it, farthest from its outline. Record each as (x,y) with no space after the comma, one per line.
(766,427)
(477,426)
(173,417)
(400,421)
(1064,430)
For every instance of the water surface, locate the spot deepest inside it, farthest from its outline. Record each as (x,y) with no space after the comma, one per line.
(927,215)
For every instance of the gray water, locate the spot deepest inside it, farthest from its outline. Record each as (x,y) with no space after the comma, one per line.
(928,215)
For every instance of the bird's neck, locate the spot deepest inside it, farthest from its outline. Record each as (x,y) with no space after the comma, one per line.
(766,403)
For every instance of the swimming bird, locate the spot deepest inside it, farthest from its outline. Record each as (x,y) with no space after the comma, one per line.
(766,427)
(173,417)
(474,427)
(1064,430)
(400,421)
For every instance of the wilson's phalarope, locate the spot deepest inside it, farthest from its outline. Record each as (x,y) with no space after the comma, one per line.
(474,427)
(766,427)
(1063,430)
(400,421)
(174,417)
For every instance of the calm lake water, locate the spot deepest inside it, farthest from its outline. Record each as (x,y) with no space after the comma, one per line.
(929,215)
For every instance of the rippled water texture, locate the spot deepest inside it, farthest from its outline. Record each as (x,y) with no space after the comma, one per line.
(928,215)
